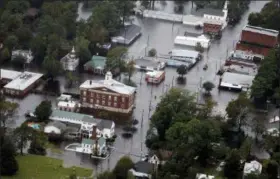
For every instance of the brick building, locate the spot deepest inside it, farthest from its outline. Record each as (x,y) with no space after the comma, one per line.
(108,94)
(19,84)
(212,27)
(257,40)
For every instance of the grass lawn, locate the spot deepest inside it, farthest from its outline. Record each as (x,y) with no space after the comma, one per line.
(41,167)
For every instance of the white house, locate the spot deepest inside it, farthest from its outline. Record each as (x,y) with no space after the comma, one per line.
(55,127)
(67,105)
(204,176)
(252,167)
(70,61)
(26,54)
(105,128)
(90,146)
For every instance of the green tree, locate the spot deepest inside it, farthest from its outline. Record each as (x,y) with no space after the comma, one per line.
(8,163)
(233,166)
(17,6)
(125,9)
(4,55)
(237,110)
(24,35)
(11,41)
(115,60)
(245,149)
(152,52)
(43,111)
(208,86)
(122,167)
(106,175)
(52,66)
(272,169)
(258,127)
(18,62)
(7,111)
(106,15)
(130,176)
(130,68)
(71,78)
(38,144)
(199,47)
(182,70)
(38,48)
(176,106)
(22,135)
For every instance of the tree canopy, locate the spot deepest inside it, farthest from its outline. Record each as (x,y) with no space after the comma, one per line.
(43,111)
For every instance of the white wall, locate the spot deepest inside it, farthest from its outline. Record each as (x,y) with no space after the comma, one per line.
(52,129)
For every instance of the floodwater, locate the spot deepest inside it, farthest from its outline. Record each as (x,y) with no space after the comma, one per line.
(159,35)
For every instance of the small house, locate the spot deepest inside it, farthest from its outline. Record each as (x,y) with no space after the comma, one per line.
(55,127)
(204,176)
(96,65)
(25,54)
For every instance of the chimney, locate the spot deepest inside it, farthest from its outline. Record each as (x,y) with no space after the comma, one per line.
(90,82)
(93,133)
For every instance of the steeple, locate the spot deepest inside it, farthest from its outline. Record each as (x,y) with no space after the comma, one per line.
(73,53)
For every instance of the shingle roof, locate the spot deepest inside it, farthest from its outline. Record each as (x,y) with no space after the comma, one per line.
(143,167)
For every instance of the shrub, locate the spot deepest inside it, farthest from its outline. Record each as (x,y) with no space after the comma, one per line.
(152,52)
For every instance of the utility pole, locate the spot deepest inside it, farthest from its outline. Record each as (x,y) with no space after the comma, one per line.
(142,134)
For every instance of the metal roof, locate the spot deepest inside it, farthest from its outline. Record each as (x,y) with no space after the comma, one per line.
(237,79)
(23,81)
(185,53)
(96,62)
(261,30)
(208,11)
(9,74)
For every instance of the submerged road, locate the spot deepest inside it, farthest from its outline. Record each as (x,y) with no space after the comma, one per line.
(159,35)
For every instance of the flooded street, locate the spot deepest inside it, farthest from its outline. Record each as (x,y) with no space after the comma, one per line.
(159,35)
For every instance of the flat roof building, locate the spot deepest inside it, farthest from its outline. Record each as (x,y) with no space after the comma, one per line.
(236,81)
(22,84)
(127,35)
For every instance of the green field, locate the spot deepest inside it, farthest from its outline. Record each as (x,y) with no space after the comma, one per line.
(41,167)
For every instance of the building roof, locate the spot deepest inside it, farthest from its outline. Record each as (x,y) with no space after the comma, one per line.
(101,141)
(96,62)
(23,81)
(208,11)
(70,104)
(9,74)
(143,167)
(237,79)
(261,30)
(110,84)
(185,53)
(57,124)
(101,123)
(254,49)
(70,115)
(204,176)
(253,166)
(127,33)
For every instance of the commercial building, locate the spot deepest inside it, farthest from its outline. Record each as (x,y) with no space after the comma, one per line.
(70,61)
(7,76)
(108,95)
(21,85)
(193,41)
(189,56)
(236,81)
(257,41)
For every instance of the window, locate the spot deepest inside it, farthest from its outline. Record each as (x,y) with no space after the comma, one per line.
(103,102)
(123,99)
(103,97)
(84,99)
(85,93)
(115,104)
(115,98)
(92,94)
(97,101)
(91,100)
(97,96)
(109,97)
(109,103)
(122,106)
